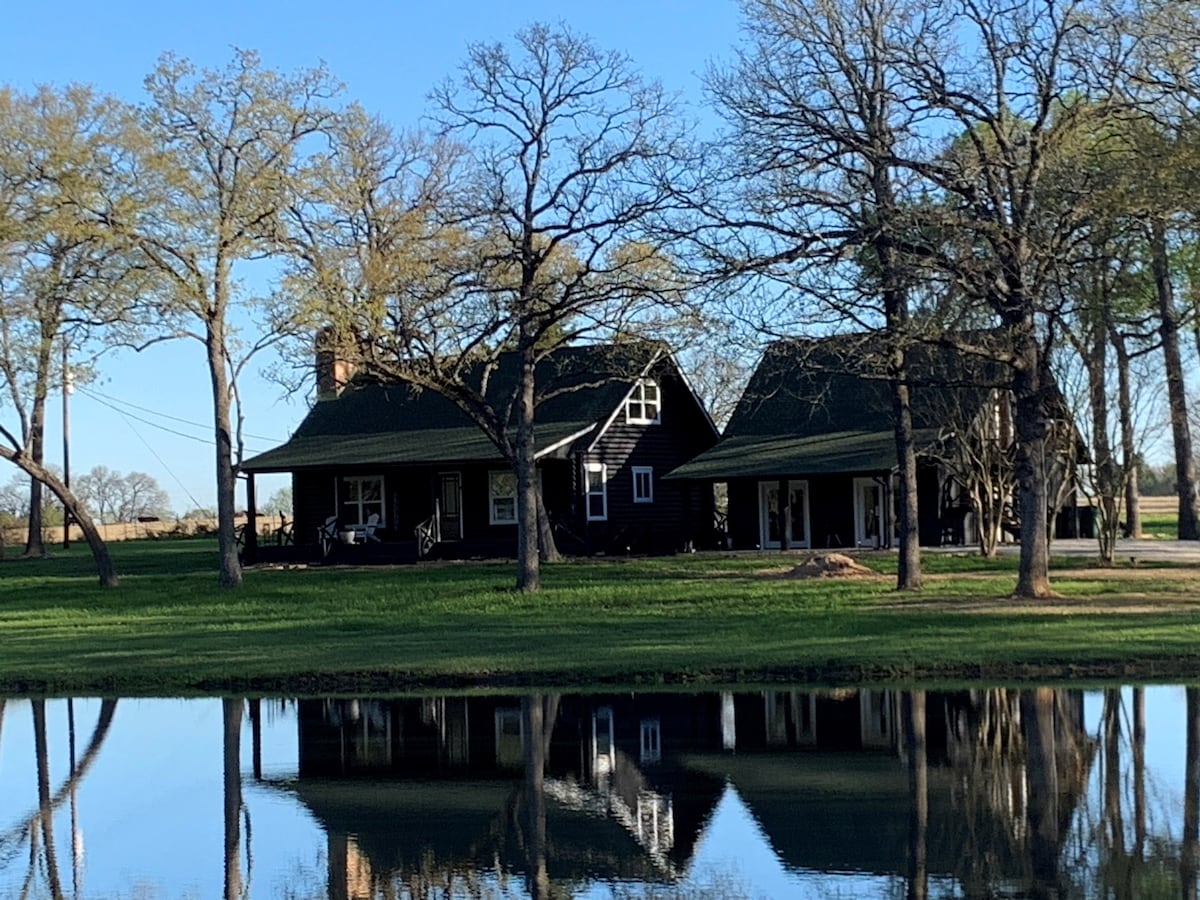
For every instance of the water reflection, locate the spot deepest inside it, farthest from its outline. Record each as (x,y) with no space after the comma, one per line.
(35,830)
(1042,792)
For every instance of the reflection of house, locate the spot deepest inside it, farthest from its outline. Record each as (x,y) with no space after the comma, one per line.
(809,455)
(618,807)
(438,788)
(613,421)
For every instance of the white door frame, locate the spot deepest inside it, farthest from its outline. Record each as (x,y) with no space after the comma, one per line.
(764,526)
(860,514)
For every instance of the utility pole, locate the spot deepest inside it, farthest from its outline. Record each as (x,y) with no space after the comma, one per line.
(67,388)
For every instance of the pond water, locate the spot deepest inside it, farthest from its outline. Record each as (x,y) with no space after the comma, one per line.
(1045,792)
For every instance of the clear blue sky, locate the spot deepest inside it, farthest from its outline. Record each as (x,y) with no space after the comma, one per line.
(389,55)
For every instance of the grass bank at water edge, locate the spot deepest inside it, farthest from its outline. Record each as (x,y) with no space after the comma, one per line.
(693,619)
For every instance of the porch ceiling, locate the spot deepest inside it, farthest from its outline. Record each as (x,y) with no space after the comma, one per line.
(772,456)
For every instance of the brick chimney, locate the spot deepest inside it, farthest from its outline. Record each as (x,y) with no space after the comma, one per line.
(334,370)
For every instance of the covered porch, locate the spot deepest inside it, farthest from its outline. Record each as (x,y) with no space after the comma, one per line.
(406,513)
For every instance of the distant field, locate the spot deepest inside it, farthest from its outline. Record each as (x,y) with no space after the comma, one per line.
(1160,517)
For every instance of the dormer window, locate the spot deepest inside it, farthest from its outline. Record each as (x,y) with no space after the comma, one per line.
(642,407)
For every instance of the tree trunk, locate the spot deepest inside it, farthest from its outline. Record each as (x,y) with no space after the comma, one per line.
(528,564)
(1033,575)
(230,574)
(547,546)
(1168,329)
(908,573)
(77,511)
(1108,483)
(1129,454)
(35,544)
(895,311)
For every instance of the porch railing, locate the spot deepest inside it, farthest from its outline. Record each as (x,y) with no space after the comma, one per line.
(426,534)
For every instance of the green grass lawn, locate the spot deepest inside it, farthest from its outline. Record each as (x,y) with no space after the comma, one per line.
(690,619)
(1160,525)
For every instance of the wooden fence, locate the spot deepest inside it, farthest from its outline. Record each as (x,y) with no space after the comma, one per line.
(268,528)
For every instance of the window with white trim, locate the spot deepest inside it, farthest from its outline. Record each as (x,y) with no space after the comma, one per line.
(651,743)
(502,498)
(643,484)
(361,497)
(596,491)
(644,403)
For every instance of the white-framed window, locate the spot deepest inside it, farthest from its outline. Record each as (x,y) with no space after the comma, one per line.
(644,403)
(596,491)
(643,484)
(361,497)
(651,749)
(502,497)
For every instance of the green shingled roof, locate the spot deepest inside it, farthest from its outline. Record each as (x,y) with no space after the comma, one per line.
(373,423)
(823,405)
(777,456)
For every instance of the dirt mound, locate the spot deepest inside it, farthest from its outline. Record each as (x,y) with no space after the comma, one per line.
(831,565)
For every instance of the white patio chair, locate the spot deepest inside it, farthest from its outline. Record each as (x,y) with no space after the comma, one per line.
(369,529)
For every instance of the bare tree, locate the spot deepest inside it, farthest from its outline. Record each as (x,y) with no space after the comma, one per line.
(545,236)
(1019,85)
(100,490)
(819,120)
(140,495)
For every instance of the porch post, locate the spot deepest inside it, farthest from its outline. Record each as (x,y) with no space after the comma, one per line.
(785,516)
(250,535)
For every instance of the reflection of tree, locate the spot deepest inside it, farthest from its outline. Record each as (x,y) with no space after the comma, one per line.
(37,828)
(1115,851)
(918,782)
(538,715)
(1189,857)
(231,744)
(1046,815)
(1139,773)
(45,811)
(1021,760)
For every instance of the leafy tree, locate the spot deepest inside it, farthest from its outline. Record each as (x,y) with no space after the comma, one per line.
(63,273)
(218,153)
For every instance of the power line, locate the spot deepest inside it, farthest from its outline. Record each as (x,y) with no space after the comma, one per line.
(128,416)
(96,395)
(161,461)
(208,442)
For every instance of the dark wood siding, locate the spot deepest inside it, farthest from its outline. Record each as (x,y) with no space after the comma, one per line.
(831,510)
(681,513)
(312,502)
(743,514)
